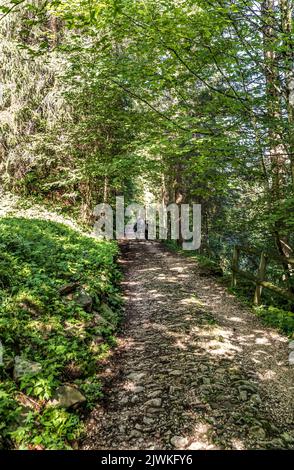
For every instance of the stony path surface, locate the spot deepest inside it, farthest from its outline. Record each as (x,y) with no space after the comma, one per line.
(194,369)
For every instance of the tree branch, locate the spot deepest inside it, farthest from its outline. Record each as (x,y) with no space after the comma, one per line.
(162,115)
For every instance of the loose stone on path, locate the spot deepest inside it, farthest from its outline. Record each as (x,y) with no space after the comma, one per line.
(194,369)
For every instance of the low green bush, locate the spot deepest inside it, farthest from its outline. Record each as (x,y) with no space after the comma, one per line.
(277,317)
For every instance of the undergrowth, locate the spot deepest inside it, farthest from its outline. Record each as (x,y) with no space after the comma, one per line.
(41,324)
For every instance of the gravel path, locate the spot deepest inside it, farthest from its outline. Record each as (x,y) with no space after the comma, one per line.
(194,369)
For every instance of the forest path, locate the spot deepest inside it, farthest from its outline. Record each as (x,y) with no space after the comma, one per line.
(194,369)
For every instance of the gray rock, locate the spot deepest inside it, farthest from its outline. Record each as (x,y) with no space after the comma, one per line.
(84,300)
(67,396)
(206,381)
(179,442)
(99,320)
(291,358)
(176,373)
(135,433)
(154,402)
(68,288)
(291,345)
(243,395)
(147,420)
(136,376)
(152,411)
(24,367)
(138,389)
(154,394)
(135,399)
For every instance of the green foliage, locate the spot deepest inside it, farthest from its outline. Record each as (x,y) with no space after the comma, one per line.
(278,318)
(178,92)
(194,98)
(53,429)
(191,100)
(37,322)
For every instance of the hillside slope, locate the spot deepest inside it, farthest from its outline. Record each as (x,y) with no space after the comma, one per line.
(59,309)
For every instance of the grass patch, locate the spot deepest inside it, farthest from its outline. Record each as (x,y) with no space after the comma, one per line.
(42,323)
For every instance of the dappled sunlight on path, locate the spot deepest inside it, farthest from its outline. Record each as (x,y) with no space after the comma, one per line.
(194,369)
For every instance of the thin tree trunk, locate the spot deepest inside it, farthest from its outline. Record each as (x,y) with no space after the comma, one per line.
(277,149)
(288,41)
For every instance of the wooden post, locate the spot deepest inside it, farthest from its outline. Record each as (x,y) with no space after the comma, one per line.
(260,277)
(235,265)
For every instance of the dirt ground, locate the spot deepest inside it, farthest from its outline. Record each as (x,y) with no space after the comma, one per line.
(194,369)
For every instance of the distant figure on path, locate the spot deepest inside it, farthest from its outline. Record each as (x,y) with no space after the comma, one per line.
(141,229)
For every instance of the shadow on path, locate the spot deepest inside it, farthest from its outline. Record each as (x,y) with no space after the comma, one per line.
(193,369)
